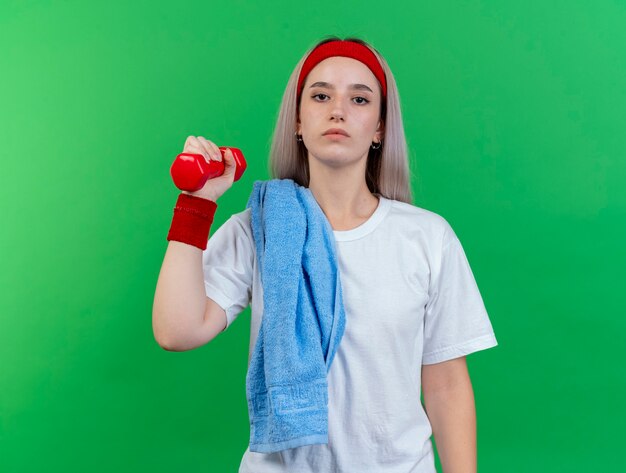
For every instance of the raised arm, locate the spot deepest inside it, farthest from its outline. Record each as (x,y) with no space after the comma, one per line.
(183,317)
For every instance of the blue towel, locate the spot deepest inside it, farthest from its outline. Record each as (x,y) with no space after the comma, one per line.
(303,319)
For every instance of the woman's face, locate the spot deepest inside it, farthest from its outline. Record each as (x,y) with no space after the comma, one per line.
(340,92)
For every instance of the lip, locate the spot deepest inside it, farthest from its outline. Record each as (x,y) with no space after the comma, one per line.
(335,136)
(335,132)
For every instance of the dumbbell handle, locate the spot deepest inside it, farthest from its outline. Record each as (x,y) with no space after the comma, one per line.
(190,171)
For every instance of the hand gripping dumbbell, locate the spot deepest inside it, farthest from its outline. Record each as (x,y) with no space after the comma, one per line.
(191,171)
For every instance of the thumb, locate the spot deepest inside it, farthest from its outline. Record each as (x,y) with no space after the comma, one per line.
(230,157)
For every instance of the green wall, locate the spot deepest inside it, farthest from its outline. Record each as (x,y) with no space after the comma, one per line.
(515,119)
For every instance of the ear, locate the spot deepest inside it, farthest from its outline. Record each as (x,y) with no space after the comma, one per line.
(380,130)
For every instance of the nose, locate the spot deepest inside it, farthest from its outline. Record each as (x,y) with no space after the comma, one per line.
(337,110)
(337,115)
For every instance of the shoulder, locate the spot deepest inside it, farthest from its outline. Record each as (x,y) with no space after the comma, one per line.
(242,218)
(418,221)
(244,226)
(236,226)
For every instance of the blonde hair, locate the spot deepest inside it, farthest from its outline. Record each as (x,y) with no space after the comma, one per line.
(387,170)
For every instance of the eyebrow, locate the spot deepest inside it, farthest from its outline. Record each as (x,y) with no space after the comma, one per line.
(326,85)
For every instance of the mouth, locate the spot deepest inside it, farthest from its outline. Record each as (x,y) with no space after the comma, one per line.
(334,132)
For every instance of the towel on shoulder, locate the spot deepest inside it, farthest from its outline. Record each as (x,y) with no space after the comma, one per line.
(303,317)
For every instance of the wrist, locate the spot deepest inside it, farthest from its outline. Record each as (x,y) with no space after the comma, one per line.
(192,220)
(210,196)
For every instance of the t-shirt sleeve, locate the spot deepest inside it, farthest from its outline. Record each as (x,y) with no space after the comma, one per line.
(456,322)
(227,264)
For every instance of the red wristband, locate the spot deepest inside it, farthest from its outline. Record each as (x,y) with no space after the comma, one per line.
(192,220)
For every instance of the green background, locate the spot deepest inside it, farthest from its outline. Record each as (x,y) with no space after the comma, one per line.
(515,119)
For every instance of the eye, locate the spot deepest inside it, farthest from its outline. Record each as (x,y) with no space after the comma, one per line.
(363,99)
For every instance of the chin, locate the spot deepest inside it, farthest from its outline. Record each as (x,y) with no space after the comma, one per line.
(334,157)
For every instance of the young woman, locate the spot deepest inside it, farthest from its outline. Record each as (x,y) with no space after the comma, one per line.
(413,309)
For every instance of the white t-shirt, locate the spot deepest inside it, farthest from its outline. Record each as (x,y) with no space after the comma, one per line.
(410,299)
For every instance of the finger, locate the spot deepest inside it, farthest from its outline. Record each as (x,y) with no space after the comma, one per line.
(199,149)
(231,157)
(211,149)
(194,142)
(205,146)
(215,151)
(230,160)
(188,141)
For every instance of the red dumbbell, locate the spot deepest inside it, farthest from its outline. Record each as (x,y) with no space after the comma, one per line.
(191,171)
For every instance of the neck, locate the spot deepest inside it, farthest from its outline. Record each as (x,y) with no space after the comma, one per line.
(343,196)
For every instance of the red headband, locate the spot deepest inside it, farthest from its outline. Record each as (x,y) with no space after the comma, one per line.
(346,49)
